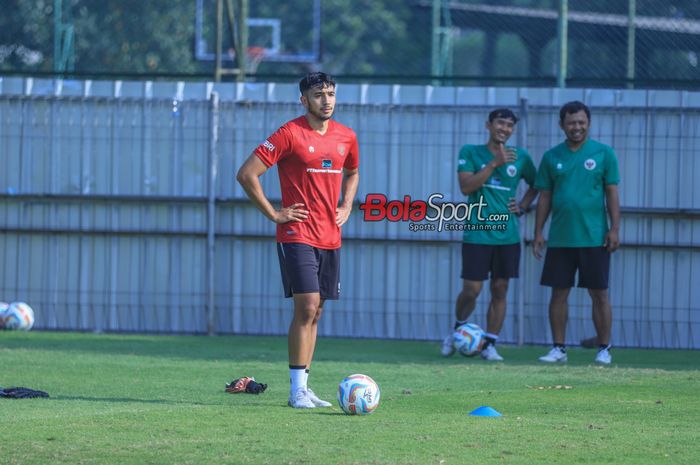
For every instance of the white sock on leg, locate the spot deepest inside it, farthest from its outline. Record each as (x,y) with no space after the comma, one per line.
(297,379)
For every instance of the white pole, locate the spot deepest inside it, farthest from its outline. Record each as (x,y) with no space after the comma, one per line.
(211,210)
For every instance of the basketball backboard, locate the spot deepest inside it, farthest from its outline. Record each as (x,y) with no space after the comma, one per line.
(287,30)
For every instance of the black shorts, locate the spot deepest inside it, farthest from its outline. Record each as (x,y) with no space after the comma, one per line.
(502,261)
(309,269)
(561,264)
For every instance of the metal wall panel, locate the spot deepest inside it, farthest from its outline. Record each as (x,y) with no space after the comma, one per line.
(103,214)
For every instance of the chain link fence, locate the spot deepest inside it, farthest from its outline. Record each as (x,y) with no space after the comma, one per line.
(577,43)
(605,43)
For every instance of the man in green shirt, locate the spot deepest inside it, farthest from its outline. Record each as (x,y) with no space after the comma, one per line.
(577,180)
(489,174)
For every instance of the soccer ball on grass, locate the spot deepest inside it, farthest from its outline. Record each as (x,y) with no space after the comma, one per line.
(358,395)
(468,339)
(18,316)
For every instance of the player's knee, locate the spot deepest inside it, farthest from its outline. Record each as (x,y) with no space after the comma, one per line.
(317,316)
(560,296)
(470,292)
(467,297)
(499,290)
(599,296)
(307,313)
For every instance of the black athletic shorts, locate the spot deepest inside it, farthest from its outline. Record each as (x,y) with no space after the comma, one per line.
(309,269)
(478,260)
(561,264)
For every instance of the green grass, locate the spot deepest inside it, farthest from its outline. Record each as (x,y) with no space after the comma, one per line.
(119,399)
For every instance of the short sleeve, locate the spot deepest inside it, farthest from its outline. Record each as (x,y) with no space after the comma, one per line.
(543,180)
(529,170)
(612,173)
(352,161)
(275,147)
(466,162)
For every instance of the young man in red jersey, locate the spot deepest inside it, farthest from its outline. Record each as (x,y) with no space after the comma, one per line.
(317,160)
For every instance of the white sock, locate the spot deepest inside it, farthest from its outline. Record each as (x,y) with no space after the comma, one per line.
(306,377)
(297,379)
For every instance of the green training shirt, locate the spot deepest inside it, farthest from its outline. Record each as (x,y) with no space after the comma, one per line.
(577,182)
(497,192)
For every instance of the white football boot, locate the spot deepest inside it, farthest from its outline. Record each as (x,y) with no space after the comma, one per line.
(300,399)
(315,400)
(491,354)
(555,355)
(603,357)
(448,347)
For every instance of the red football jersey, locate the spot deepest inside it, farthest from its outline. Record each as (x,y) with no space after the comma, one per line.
(310,167)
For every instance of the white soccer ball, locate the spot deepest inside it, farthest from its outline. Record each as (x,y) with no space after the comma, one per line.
(19,316)
(468,339)
(358,395)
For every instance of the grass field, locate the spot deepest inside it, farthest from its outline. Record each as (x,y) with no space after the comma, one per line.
(119,399)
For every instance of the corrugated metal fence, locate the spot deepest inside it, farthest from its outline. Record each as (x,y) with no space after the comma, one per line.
(119,210)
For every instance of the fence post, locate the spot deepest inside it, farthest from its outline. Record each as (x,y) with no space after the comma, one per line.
(522,142)
(562,42)
(631,42)
(211,209)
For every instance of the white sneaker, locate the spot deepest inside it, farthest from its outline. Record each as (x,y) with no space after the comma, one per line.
(300,399)
(315,400)
(448,347)
(603,357)
(491,354)
(555,355)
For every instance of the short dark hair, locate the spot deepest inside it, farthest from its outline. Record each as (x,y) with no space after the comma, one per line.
(570,108)
(312,80)
(505,113)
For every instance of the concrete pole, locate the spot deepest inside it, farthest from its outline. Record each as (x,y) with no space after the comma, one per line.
(211,212)
(562,41)
(57,34)
(219,38)
(435,51)
(631,42)
(242,40)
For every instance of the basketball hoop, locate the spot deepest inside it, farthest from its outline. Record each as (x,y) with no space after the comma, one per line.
(254,56)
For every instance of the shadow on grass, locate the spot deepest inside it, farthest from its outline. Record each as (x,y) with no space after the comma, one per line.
(129,400)
(238,348)
(189,347)
(252,349)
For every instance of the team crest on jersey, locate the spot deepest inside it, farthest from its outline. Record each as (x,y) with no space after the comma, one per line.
(311,149)
(326,164)
(341,150)
(512,171)
(589,164)
(558,166)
